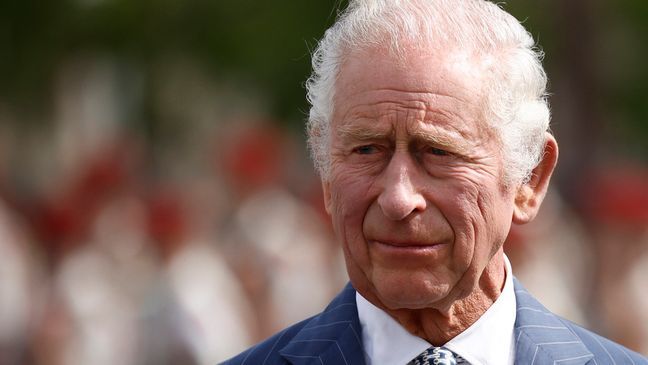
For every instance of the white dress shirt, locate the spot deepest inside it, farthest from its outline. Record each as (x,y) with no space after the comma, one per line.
(489,341)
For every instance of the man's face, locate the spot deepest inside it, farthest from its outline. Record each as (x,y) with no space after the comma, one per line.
(415,186)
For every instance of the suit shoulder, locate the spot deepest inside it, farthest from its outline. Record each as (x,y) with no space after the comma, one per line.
(604,350)
(267,351)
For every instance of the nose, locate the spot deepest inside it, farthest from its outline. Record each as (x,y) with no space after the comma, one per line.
(400,196)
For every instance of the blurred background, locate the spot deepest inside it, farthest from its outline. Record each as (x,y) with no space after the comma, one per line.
(157,202)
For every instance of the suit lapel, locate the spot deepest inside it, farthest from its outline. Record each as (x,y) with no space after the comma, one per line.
(332,337)
(543,338)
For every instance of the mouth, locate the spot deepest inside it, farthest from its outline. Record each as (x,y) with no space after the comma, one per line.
(405,247)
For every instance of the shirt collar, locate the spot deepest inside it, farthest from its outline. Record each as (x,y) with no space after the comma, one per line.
(489,340)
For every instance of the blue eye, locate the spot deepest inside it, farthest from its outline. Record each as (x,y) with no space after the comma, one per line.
(365,150)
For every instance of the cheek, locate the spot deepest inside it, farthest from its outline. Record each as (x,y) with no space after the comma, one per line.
(350,200)
(487,221)
(461,215)
(477,213)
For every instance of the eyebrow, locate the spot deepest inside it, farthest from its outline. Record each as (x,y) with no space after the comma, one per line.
(435,138)
(445,141)
(355,132)
(363,133)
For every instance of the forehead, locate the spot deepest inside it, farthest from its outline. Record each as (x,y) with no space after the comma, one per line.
(453,71)
(447,85)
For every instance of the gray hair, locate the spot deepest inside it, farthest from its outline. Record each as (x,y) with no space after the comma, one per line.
(515,93)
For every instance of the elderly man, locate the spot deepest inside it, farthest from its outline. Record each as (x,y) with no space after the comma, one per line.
(429,129)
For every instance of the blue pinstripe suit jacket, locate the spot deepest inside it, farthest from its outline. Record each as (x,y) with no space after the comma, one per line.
(334,337)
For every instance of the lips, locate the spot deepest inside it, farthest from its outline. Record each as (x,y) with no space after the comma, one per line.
(399,254)
(403,246)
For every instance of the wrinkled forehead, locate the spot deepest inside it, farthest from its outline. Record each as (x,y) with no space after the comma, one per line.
(455,72)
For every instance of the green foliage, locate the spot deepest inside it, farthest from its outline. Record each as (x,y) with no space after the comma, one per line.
(269,43)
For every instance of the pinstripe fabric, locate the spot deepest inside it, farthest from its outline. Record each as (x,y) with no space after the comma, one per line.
(333,338)
(544,338)
(330,338)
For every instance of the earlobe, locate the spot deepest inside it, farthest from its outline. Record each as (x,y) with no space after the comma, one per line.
(530,195)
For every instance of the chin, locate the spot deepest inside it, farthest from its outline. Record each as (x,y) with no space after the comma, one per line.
(409,293)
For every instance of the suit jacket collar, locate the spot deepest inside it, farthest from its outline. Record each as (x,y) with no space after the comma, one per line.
(542,337)
(332,337)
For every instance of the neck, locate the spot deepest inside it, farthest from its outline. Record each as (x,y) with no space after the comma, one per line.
(439,325)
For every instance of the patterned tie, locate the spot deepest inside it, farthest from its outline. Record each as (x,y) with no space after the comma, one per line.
(437,356)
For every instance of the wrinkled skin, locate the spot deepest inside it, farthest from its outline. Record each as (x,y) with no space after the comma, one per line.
(416,191)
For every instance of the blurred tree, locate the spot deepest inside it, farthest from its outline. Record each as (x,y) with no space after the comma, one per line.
(268,42)
(595,52)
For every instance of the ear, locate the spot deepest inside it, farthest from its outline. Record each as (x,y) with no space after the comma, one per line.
(326,189)
(530,195)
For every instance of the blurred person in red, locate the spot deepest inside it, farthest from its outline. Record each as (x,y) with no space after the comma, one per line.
(198,313)
(278,243)
(429,126)
(133,283)
(614,203)
(102,262)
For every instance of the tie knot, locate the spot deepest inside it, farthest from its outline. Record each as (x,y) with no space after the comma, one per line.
(435,356)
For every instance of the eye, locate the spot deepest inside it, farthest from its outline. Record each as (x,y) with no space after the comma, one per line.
(365,150)
(437,151)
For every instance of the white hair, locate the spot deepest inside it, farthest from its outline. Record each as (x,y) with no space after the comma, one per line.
(515,83)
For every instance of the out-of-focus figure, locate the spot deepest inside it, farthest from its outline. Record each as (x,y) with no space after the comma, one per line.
(614,203)
(279,244)
(199,309)
(103,285)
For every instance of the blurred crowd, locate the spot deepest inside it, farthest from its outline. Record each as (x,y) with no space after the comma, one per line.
(190,242)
